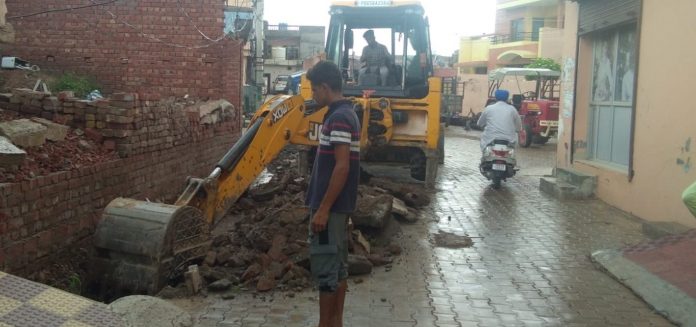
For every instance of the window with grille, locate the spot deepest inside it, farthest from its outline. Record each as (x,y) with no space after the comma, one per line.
(292,53)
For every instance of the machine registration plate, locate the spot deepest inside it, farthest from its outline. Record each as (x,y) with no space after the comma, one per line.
(500,167)
(374,3)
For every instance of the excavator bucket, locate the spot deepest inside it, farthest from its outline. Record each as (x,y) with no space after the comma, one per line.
(141,246)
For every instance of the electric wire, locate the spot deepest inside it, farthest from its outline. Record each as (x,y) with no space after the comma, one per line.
(94,4)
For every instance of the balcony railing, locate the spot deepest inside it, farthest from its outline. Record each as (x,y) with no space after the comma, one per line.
(283,27)
(517,37)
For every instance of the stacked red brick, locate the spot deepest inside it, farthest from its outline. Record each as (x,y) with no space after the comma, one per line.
(162,53)
(122,122)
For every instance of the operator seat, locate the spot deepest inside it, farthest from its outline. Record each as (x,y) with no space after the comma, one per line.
(517,101)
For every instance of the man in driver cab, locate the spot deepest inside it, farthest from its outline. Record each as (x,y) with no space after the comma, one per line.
(375,59)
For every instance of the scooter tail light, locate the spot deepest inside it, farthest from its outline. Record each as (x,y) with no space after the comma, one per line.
(501,153)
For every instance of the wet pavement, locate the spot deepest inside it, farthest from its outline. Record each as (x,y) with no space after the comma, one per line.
(528,266)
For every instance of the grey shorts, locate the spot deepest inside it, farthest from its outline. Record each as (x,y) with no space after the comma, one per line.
(328,252)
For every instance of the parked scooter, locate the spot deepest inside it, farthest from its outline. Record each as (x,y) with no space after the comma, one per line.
(498,162)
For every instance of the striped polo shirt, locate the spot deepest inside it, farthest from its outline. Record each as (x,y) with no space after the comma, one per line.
(340,126)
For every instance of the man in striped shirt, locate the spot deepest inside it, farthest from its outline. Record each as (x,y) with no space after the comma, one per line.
(333,191)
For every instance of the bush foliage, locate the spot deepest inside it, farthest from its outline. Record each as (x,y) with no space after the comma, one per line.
(81,85)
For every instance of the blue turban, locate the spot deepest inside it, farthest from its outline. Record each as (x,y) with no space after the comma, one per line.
(502,95)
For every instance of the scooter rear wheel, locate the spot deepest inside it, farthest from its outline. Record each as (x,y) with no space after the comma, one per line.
(497,180)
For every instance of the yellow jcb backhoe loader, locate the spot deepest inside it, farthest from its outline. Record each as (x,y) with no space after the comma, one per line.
(143,245)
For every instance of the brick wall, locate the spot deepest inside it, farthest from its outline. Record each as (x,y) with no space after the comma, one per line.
(41,216)
(49,213)
(171,58)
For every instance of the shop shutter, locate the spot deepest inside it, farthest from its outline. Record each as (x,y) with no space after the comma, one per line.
(597,15)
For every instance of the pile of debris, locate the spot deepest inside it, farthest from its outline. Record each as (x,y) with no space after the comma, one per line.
(31,147)
(263,245)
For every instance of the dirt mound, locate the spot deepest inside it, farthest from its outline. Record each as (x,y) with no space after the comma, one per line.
(262,244)
(75,152)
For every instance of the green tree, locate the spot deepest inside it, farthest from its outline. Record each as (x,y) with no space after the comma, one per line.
(543,63)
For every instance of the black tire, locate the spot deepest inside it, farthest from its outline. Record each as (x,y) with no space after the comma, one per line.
(526,136)
(418,166)
(497,180)
(538,139)
(441,146)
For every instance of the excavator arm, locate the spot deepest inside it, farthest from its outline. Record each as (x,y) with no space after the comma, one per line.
(270,130)
(141,245)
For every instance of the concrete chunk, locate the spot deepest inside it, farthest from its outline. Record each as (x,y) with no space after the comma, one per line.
(55,132)
(24,132)
(399,207)
(212,112)
(10,155)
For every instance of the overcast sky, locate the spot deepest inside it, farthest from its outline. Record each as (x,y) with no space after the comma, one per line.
(449,19)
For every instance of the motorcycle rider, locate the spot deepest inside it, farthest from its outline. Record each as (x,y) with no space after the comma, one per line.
(500,121)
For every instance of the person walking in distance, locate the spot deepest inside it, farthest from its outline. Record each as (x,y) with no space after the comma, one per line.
(332,191)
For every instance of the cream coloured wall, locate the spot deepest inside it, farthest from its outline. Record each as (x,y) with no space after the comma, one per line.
(476,90)
(665,119)
(568,63)
(3,12)
(551,43)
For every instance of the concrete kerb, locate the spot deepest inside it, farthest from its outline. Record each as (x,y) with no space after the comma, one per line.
(663,297)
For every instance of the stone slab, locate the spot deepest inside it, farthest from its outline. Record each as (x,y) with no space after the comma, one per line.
(54,132)
(24,132)
(10,155)
(140,310)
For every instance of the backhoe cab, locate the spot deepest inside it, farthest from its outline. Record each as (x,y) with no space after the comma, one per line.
(401,27)
(399,108)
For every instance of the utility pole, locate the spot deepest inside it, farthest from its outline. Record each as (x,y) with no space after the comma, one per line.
(259,38)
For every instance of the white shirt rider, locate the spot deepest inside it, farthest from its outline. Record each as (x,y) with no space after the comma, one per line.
(499,121)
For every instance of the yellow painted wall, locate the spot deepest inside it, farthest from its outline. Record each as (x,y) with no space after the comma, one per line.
(473,49)
(665,119)
(528,13)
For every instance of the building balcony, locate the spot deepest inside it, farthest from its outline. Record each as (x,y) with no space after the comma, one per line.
(508,4)
(501,39)
(514,50)
(283,62)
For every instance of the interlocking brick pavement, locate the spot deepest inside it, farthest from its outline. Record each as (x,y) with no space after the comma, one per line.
(529,264)
(25,303)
